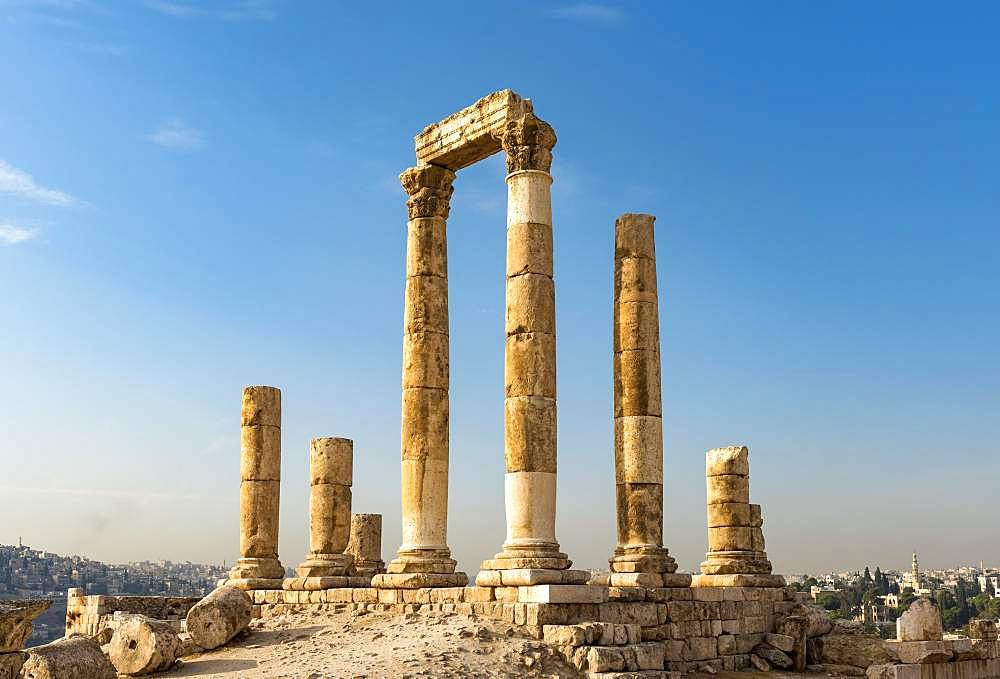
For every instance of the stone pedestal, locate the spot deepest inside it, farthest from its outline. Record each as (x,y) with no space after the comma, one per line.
(425,387)
(639,558)
(331,471)
(736,555)
(365,544)
(529,365)
(260,480)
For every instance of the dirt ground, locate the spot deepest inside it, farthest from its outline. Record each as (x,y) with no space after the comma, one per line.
(376,645)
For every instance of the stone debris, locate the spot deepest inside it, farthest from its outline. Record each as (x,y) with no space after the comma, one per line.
(219,617)
(77,657)
(920,622)
(141,645)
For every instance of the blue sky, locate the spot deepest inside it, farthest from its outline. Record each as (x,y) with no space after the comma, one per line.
(196,197)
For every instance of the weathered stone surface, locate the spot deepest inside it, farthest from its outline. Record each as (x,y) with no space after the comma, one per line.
(730,460)
(921,652)
(563,594)
(636,327)
(262,462)
(634,236)
(425,360)
(425,307)
(528,141)
(73,658)
(331,460)
(219,617)
(141,645)
(425,424)
(529,365)
(861,650)
(639,513)
(329,519)
(635,280)
(419,580)
(728,514)
(531,304)
(738,580)
(259,501)
(427,247)
(728,488)
(530,434)
(782,642)
(10,664)
(637,383)
(980,628)
(832,670)
(759,663)
(818,620)
(920,622)
(15,621)
(639,449)
(365,543)
(773,656)
(729,538)
(429,188)
(261,406)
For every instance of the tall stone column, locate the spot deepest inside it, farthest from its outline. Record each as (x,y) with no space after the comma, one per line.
(331,472)
(260,480)
(529,366)
(365,544)
(425,388)
(736,554)
(639,558)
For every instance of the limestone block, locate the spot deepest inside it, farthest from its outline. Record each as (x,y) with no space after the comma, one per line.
(260,458)
(756,517)
(731,460)
(16,621)
(782,642)
(141,645)
(391,581)
(728,514)
(472,134)
(921,622)
(855,649)
(728,488)
(259,502)
(529,249)
(331,460)
(757,539)
(637,383)
(773,656)
(425,360)
(530,365)
(530,434)
(639,513)
(365,543)
(818,621)
(563,594)
(425,306)
(425,424)
(728,538)
(219,617)
(636,327)
(638,449)
(531,301)
(424,504)
(72,658)
(529,197)
(329,518)
(727,644)
(261,406)
(11,663)
(427,247)
(759,663)
(635,280)
(530,504)
(530,576)
(700,648)
(634,236)
(921,652)
(636,580)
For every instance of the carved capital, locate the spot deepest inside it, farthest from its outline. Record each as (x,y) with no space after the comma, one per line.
(528,142)
(429,189)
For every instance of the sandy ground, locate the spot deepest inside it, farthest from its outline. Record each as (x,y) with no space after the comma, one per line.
(376,645)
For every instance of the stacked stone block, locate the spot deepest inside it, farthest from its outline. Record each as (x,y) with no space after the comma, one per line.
(736,554)
(95,615)
(365,544)
(260,485)
(639,558)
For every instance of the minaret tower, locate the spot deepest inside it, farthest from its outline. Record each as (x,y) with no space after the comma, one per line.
(916,572)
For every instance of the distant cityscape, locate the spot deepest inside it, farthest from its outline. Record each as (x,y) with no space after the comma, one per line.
(27,573)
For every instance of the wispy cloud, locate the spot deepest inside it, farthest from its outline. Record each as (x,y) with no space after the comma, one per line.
(22,184)
(593,14)
(12,235)
(178,135)
(231,10)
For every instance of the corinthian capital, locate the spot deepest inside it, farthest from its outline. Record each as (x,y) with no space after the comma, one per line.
(429,188)
(528,142)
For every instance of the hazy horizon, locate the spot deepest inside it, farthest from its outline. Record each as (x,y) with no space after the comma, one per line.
(194,198)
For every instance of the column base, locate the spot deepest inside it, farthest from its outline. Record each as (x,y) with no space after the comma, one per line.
(419,580)
(247,584)
(642,559)
(268,568)
(422,561)
(368,568)
(736,563)
(738,580)
(326,565)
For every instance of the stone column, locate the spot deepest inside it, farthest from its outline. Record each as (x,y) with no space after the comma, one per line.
(260,480)
(425,388)
(735,537)
(331,471)
(529,363)
(639,558)
(365,544)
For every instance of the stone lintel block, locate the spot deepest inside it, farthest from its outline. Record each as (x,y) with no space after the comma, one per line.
(470,135)
(530,365)
(261,405)
(331,460)
(425,424)
(530,433)
(637,389)
(427,247)
(729,539)
(419,580)
(425,306)
(729,514)
(728,488)
(728,460)
(639,449)
(634,235)
(260,453)
(529,249)
(738,580)
(531,304)
(635,280)
(639,513)
(425,360)
(636,326)
(563,594)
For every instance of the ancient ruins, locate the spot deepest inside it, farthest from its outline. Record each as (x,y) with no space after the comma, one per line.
(641,619)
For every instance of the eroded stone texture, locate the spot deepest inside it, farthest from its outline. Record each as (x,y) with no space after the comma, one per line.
(260,471)
(365,544)
(331,465)
(16,618)
(219,617)
(72,658)
(637,409)
(141,645)
(920,622)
